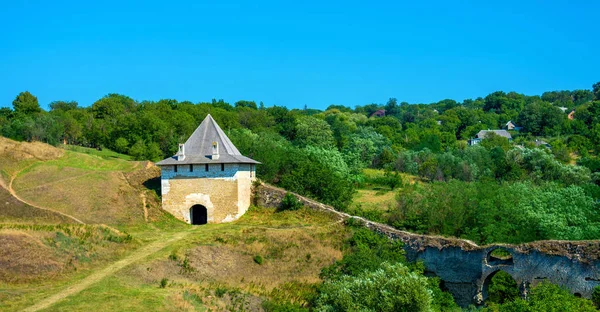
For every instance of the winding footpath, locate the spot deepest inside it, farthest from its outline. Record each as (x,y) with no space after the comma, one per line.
(12,192)
(111,269)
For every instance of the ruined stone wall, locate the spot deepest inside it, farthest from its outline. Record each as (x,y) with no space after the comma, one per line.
(225,194)
(467,268)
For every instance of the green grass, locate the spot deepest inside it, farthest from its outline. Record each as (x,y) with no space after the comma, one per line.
(116,294)
(92,162)
(288,275)
(104,153)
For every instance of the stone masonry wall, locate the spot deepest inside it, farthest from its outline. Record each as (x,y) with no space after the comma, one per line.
(467,268)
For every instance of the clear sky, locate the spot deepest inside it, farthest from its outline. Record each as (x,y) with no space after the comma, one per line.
(294,53)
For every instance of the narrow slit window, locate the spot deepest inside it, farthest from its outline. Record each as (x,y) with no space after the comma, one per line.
(206,167)
(222,167)
(191,168)
(175,168)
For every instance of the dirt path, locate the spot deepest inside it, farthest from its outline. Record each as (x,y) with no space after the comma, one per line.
(143,196)
(97,276)
(12,192)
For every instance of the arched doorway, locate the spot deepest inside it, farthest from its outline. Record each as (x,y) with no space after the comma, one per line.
(198,215)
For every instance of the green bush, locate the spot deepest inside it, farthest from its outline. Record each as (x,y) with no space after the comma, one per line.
(163,283)
(503,288)
(258,259)
(392,287)
(271,306)
(596,297)
(290,202)
(546,297)
(220,291)
(186,267)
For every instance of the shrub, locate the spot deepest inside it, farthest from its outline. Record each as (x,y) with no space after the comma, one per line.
(290,202)
(392,287)
(185,266)
(258,259)
(546,297)
(596,297)
(271,306)
(220,291)
(163,283)
(503,288)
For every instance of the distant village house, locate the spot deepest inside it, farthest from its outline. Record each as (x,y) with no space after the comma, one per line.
(481,135)
(511,126)
(379,113)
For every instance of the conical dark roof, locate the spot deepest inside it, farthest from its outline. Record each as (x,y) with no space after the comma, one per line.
(198,147)
(200,142)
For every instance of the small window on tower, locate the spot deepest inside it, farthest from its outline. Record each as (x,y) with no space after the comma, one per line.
(206,167)
(191,168)
(175,168)
(222,167)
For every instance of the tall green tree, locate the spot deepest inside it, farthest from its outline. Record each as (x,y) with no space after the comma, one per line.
(26,103)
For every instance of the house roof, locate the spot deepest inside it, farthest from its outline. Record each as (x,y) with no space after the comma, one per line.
(379,113)
(198,147)
(503,133)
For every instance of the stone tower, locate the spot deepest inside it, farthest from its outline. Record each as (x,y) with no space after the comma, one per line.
(208,180)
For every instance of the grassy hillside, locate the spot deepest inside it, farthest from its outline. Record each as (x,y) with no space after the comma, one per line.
(14,211)
(216,266)
(89,187)
(265,256)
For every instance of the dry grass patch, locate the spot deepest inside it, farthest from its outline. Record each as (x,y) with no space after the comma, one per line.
(94,197)
(24,257)
(294,247)
(14,211)
(39,252)
(373,199)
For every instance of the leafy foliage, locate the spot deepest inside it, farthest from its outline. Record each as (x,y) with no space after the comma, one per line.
(290,202)
(392,287)
(546,297)
(488,212)
(502,288)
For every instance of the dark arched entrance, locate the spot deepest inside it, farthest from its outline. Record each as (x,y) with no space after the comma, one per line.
(198,215)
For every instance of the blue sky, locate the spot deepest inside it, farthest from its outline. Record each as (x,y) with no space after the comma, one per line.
(294,53)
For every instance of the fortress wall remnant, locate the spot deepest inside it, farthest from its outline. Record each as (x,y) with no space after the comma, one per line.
(466,268)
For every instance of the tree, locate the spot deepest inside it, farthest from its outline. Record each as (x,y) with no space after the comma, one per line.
(596,90)
(313,131)
(138,150)
(248,104)
(27,104)
(502,288)
(391,107)
(547,297)
(63,105)
(392,287)
(121,145)
(500,102)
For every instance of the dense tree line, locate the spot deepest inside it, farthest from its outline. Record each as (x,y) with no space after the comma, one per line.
(321,153)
